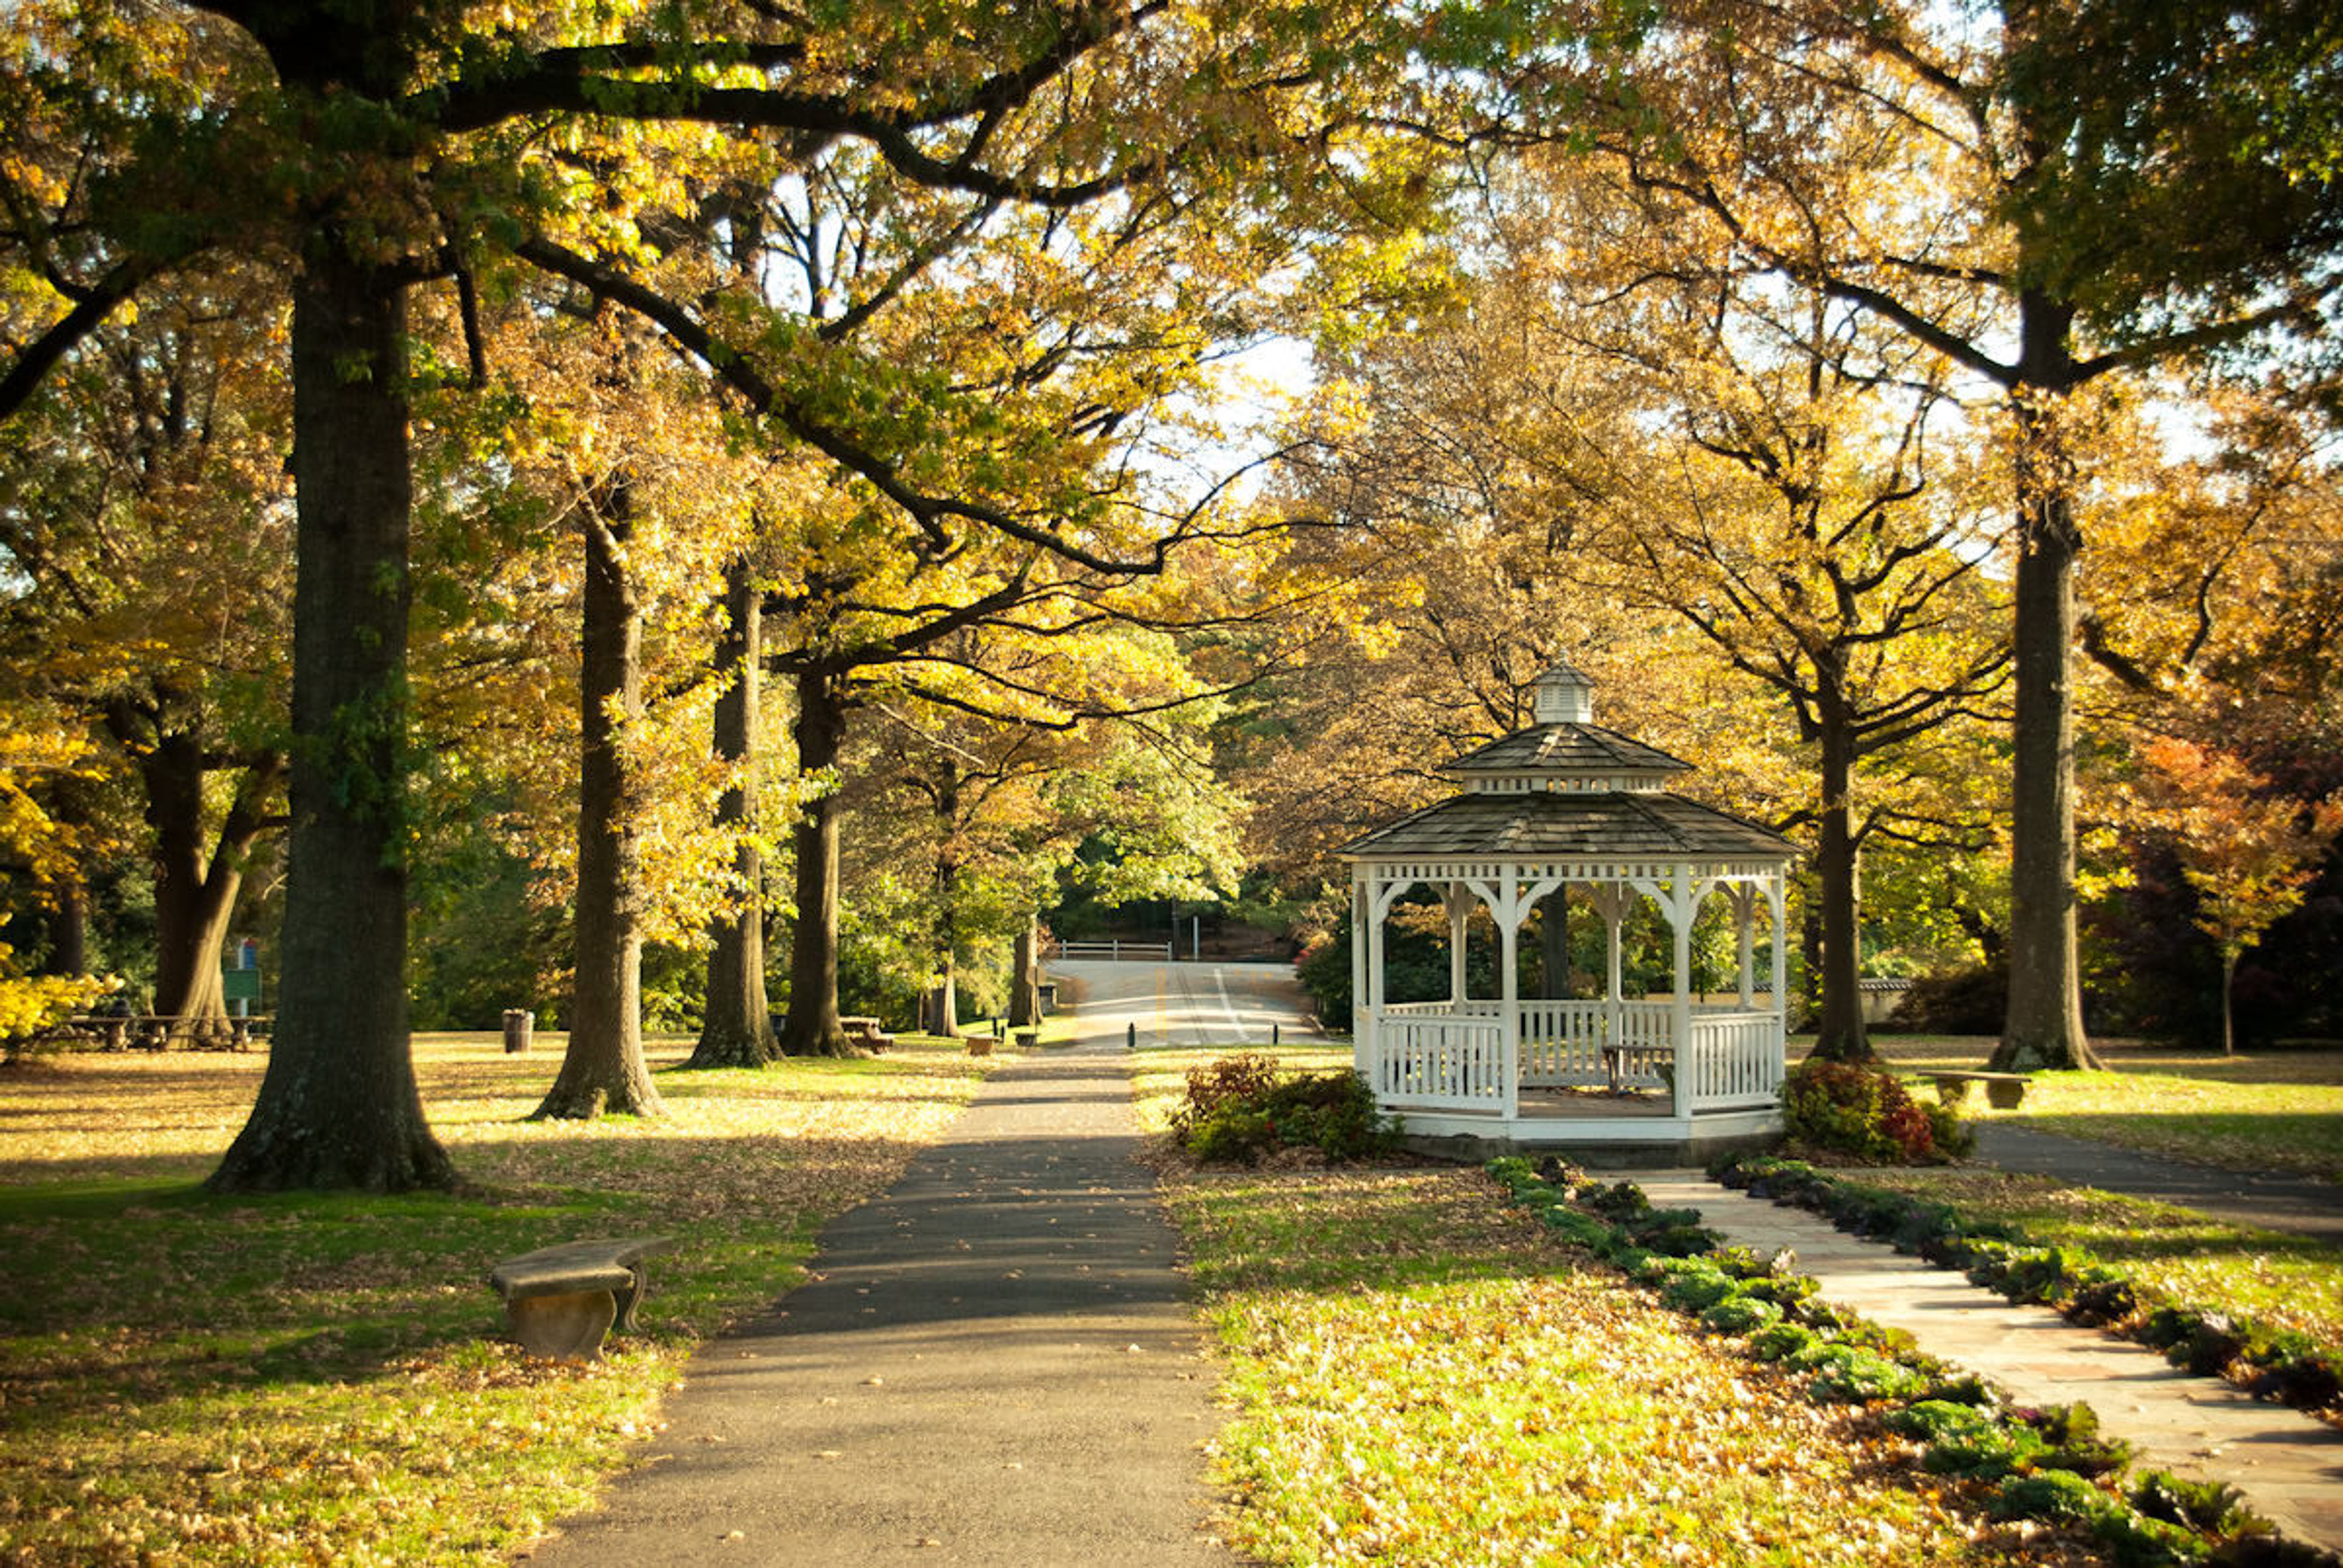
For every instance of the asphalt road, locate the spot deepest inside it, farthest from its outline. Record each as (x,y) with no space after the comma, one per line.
(1182,1005)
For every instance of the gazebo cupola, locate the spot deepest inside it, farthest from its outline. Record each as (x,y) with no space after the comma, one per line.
(1568,806)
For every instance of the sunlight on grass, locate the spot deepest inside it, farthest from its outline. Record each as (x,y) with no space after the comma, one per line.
(1421,1376)
(2288,1281)
(2272,1110)
(303,1378)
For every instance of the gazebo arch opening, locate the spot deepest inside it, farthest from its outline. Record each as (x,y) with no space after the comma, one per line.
(1566,808)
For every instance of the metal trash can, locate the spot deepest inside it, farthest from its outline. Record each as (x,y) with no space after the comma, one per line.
(518,1022)
(1049,997)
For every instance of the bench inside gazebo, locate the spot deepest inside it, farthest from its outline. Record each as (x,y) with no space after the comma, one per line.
(1568,806)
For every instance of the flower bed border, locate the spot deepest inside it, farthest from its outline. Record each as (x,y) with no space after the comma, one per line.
(2269,1362)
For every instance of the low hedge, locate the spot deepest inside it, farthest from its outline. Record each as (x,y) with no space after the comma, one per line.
(2275,1364)
(2050,1465)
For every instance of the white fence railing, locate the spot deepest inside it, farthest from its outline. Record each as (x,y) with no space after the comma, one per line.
(1432,1054)
(1735,1060)
(1113,949)
(1441,1063)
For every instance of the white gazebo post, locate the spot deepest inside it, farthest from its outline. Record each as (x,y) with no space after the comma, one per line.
(1680,914)
(1508,913)
(1457,898)
(1363,1036)
(1744,899)
(1781,960)
(1611,901)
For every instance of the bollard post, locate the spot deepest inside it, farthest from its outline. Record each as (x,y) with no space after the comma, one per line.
(1131,1036)
(518,1022)
(1272,1035)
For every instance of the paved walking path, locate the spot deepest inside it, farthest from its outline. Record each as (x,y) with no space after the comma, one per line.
(2300,1204)
(995,1364)
(2290,1466)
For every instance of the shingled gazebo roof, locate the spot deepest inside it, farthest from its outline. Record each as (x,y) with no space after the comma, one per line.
(1605,824)
(1566,747)
(1565,787)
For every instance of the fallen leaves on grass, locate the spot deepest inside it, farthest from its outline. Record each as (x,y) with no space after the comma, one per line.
(1423,1375)
(305,1378)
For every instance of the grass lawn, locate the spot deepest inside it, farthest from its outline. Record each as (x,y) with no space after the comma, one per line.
(1420,1373)
(2289,1282)
(2271,1110)
(302,1379)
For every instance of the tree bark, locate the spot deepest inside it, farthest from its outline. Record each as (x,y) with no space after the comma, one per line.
(943,993)
(811,1027)
(1025,976)
(603,1068)
(1553,945)
(738,1028)
(195,892)
(1840,1035)
(68,922)
(2044,1027)
(2228,1006)
(338,1106)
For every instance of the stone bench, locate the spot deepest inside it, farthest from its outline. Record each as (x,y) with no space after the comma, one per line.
(560,1301)
(2002,1091)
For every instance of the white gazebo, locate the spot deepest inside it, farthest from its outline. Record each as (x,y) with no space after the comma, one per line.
(1568,806)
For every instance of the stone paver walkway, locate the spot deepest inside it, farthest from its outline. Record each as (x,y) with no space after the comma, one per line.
(2290,1466)
(995,1364)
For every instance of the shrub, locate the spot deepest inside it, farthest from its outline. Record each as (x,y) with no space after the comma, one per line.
(1741,1314)
(1965,1002)
(1237,1109)
(1781,1342)
(2053,1497)
(2213,1506)
(1938,1418)
(1849,1374)
(1853,1111)
(1578,1230)
(1692,1292)
(2136,1542)
(1241,1078)
(1950,1134)
(1984,1454)
(1232,1135)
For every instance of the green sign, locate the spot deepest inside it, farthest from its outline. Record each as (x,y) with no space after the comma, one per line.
(240,985)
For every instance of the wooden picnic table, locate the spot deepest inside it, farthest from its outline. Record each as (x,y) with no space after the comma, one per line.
(142,1031)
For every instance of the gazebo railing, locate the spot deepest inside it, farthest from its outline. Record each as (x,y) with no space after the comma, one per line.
(1735,1060)
(1437,1054)
(1444,1062)
(1562,1042)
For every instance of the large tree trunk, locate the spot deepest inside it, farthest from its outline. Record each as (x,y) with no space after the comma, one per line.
(1553,945)
(195,892)
(738,1028)
(943,991)
(1840,1036)
(810,1027)
(603,1069)
(2044,1027)
(68,922)
(1025,976)
(338,1106)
